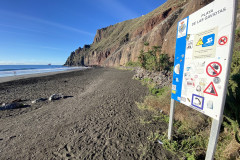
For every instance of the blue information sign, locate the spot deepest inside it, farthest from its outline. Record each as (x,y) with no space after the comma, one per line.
(179,60)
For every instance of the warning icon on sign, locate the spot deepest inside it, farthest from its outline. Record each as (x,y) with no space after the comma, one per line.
(200,42)
(211,90)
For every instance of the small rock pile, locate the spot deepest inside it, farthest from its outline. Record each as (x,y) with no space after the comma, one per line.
(18,102)
(161,79)
(53,97)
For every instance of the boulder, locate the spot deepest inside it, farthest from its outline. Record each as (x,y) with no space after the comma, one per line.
(55,97)
(13,105)
(39,100)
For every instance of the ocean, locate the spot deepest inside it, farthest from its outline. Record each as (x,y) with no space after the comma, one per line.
(15,70)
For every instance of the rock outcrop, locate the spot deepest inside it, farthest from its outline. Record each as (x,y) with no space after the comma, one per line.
(160,79)
(120,43)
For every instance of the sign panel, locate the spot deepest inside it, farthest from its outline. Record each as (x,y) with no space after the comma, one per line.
(202,56)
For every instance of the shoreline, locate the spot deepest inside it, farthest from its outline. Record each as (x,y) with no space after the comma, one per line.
(35,75)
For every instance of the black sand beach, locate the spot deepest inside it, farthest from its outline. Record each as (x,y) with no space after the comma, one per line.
(98,119)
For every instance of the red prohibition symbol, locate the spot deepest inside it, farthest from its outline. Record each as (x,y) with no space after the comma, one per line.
(223,40)
(214,69)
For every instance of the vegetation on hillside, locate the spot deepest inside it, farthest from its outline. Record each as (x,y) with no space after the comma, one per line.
(154,60)
(122,31)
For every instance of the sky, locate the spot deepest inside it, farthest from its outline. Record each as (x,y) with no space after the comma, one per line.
(47,31)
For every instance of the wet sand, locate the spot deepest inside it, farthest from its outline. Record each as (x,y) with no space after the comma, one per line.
(99,118)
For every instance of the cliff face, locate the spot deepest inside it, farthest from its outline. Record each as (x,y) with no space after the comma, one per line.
(120,43)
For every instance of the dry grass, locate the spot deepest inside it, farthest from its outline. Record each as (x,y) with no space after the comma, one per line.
(228,144)
(194,123)
(228,148)
(232,150)
(195,120)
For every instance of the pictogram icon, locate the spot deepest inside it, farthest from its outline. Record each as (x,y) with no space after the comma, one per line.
(214,69)
(211,90)
(197,101)
(200,42)
(223,40)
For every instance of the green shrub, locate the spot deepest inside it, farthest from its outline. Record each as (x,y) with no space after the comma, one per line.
(237,34)
(151,61)
(157,91)
(185,148)
(164,62)
(146,43)
(232,109)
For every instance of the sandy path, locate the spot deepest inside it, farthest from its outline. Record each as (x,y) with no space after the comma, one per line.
(100,121)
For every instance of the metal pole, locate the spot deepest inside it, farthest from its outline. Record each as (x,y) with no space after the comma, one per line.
(171,118)
(216,124)
(212,144)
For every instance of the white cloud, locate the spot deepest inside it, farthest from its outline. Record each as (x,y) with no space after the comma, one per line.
(21,28)
(38,20)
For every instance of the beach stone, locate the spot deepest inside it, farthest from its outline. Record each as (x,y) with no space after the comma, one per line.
(55,97)
(39,100)
(13,105)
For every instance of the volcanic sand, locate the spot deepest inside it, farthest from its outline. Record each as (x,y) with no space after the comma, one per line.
(99,119)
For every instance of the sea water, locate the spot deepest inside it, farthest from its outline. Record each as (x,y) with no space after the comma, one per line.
(15,70)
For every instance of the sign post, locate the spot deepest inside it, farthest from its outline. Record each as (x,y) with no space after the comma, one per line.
(171,118)
(212,143)
(203,56)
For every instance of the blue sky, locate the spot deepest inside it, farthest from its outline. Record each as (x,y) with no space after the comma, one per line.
(46,31)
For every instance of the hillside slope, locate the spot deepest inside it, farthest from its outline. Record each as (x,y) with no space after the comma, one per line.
(120,43)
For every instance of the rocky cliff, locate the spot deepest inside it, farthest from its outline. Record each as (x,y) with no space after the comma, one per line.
(120,43)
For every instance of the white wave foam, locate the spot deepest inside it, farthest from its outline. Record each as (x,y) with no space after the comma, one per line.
(36,71)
